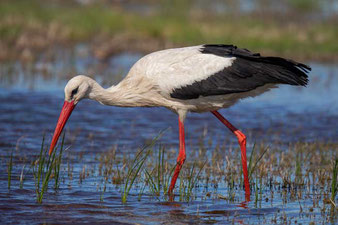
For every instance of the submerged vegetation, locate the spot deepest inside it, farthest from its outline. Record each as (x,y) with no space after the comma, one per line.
(27,26)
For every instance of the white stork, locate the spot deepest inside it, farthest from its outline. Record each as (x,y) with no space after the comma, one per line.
(199,79)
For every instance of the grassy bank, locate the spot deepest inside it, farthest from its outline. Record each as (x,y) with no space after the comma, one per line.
(27,26)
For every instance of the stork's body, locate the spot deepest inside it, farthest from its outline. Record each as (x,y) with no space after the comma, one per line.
(193,79)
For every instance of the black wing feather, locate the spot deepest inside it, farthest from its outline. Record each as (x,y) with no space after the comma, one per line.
(248,71)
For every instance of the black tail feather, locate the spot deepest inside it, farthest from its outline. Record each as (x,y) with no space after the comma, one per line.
(290,72)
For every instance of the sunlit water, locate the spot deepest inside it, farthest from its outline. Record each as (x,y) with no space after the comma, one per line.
(31,97)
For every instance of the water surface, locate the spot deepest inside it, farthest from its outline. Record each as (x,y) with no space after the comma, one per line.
(31,97)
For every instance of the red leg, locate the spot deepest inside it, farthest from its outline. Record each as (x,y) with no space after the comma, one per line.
(180,158)
(242,143)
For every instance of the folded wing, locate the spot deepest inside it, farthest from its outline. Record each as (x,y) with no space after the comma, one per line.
(235,70)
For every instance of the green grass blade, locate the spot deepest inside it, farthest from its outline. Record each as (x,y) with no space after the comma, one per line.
(159,170)
(334,184)
(57,164)
(250,160)
(10,167)
(149,178)
(162,170)
(257,161)
(41,163)
(168,178)
(137,171)
(48,172)
(136,165)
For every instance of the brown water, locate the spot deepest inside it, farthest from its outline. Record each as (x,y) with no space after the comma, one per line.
(31,97)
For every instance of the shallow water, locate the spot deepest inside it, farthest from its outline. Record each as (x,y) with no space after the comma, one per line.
(31,99)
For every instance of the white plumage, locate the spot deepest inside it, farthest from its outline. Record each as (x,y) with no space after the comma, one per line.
(174,68)
(201,78)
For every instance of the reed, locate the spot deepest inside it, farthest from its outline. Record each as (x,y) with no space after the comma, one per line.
(141,192)
(159,177)
(150,181)
(256,192)
(9,170)
(136,165)
(103,189)
(273,176)
(43,168)
(192,180)
(155,182)
(231,185)
(334,185)
(252,169)
(57,165)
(133,172)
(22,176)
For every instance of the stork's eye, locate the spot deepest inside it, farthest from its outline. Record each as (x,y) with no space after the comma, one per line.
(74,92)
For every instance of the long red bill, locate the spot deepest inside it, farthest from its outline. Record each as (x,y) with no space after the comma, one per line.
(64,115)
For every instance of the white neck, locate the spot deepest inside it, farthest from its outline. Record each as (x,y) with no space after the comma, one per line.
(119,95)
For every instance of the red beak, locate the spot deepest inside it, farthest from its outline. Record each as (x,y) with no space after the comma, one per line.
(64,115)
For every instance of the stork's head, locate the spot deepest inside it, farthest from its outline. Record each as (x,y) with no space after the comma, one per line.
(76,89)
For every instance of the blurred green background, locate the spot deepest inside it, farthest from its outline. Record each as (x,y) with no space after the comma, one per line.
(299,29)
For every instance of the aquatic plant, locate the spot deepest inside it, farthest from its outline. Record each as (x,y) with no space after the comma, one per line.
(136,165)
(22,175)
(103,189)
(162,179)
(43,168)
(251,168)
(57,165)
(192,180)
(9,170)
(334,185)
(155,186)
(250,160)
(133,172)
(274,178)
